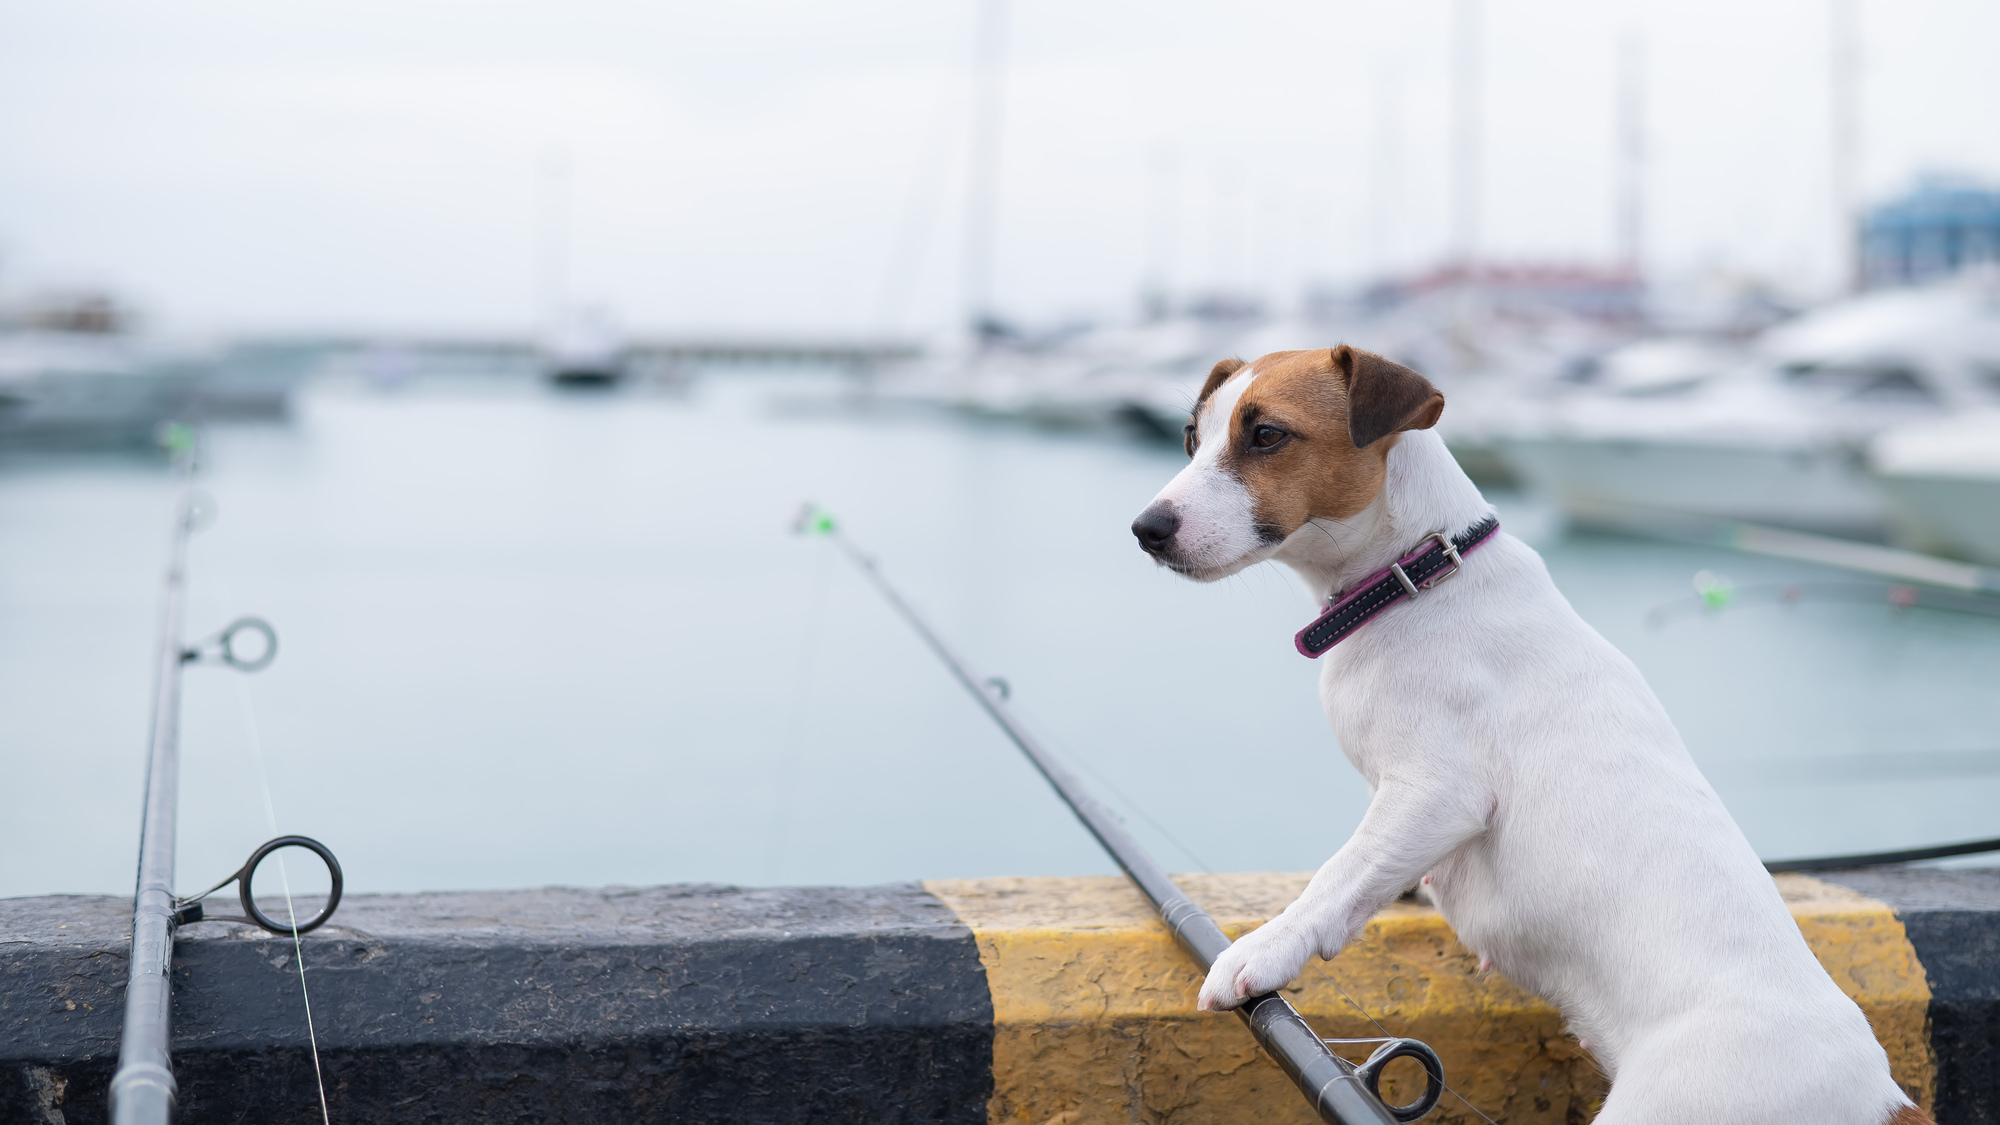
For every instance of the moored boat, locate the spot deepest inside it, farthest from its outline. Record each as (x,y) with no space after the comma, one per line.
(1942,481)
(72,374)
(1773,433)
(585,350)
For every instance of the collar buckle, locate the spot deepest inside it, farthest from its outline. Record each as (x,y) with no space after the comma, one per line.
(1450,551)
(1346,613)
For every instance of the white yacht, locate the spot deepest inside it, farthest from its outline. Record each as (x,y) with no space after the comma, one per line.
(70,374)
(1771,433)
(1145,374)
(1942,480)
(585,349)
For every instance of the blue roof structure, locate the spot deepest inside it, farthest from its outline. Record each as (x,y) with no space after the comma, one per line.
(1943,226)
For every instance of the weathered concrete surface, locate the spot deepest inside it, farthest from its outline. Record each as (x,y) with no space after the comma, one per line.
(628,1005)
(1953,921)
(1005,1000)
(1094,1014)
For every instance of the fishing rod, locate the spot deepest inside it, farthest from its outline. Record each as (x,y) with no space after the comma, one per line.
(1715,594)
(143,1089)
(1342,1093)
(1881,859)
(1798,546)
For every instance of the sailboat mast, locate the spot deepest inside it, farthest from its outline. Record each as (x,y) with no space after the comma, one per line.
(1162,209)
(1844,34)
(983,161)
(1465,130)
(1631,150)
(1385,182)
(552,249)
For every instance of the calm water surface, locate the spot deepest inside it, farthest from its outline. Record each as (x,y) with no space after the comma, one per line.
(530,638)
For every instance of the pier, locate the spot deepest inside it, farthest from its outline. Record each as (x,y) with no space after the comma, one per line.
(987,1000)
(717,349)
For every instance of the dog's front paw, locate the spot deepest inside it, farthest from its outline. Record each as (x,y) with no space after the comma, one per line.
(1260,961)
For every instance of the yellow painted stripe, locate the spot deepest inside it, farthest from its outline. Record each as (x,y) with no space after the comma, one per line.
(1863,947)
(1094,1020)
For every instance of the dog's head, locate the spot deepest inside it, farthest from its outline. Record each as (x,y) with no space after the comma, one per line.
(1293,437)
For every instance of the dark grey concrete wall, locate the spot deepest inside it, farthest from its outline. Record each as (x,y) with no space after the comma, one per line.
(1953,919)
(695,1003)
(663,1004)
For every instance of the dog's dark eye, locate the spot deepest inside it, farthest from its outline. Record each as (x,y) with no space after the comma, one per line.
(1188,438)
(1267,437)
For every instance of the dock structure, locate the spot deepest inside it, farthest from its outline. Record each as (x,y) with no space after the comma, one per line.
(855,354)
(987,1000)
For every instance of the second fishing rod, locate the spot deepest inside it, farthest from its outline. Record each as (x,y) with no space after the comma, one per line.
(1340,1092)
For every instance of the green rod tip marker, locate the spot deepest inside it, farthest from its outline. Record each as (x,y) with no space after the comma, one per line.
(1715,590)
(176,438)
(812,520)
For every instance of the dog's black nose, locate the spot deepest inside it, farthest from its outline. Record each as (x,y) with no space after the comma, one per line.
(1156,526)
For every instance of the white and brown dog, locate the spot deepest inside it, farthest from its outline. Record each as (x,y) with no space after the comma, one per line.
(1519,765)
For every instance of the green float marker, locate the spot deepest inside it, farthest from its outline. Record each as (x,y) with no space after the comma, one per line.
(1715,590)
(176,438)
(813,520)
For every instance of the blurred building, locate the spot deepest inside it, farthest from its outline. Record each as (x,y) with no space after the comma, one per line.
(1944,225)
(83,312)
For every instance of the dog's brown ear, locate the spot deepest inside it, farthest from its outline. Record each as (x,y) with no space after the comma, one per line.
(1217,375)
(1383,397)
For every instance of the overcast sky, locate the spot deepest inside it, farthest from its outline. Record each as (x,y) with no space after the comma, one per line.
(232,164)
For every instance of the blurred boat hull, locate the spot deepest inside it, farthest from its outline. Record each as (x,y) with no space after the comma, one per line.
(1823,488)
(88,409)
(60,389)
(586,351)
(1942,480)
(1955,515)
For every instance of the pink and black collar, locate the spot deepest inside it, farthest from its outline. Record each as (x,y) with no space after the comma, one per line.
(1419,570)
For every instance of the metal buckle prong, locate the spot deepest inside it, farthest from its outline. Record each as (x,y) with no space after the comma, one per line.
(1450,552)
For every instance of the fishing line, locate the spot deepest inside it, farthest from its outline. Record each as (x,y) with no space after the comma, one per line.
(1715,593)
(817,611)
(1159,827)
(142,1088)
(1140,811)
(284,879)
(1068,752)
(1340,1092)
(253,732)
(788,748)
(1328,977)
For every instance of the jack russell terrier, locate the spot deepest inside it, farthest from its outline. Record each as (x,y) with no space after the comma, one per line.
(1519,764)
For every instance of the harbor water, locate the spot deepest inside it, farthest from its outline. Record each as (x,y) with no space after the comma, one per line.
(529,638)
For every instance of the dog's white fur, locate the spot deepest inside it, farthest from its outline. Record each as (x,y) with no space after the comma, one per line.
(1522,762)
(1216,535)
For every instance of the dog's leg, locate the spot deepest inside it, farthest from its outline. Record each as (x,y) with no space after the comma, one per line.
(1409,828)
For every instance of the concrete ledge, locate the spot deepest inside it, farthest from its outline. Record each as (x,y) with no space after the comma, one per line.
(1094,1008)
(1952,919)
(677,1003)
(1008,1000)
